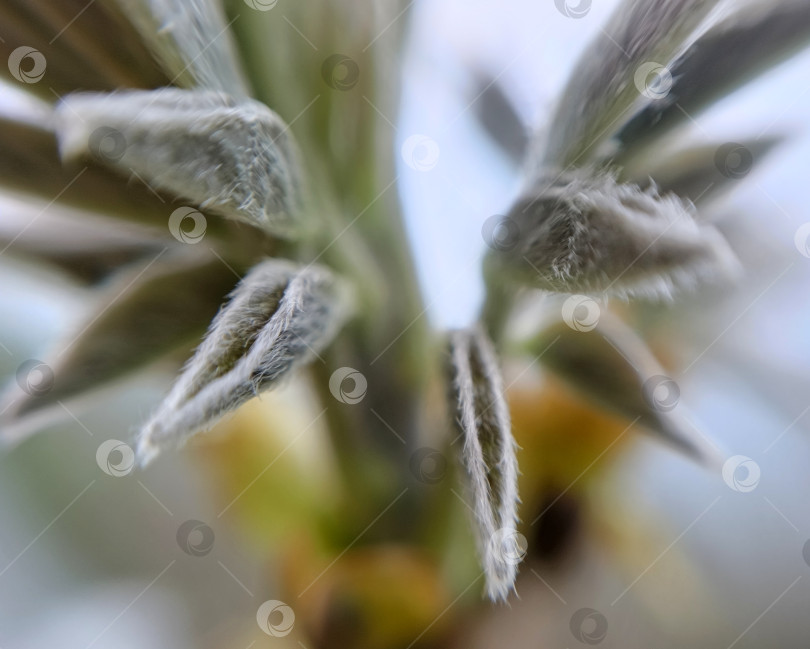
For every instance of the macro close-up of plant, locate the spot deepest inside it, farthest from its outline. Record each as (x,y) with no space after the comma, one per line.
(348,323)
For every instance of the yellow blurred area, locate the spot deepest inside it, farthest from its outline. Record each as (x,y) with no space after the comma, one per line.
(273,466)
(565,444)
(274,471)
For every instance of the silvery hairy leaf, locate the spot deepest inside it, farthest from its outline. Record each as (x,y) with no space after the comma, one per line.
(614,368)
(279,317)
(191,39)
(482,416)
(633,50)
(99,51)
(754,37)
(587,233)
(233,158)
(160,306)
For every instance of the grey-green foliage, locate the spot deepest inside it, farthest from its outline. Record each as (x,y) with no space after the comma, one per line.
(233,157)
(585,232)
(482,418)
(736,49)
(602,88)
(278,317)
(612,367)
(191,40)
(588,218)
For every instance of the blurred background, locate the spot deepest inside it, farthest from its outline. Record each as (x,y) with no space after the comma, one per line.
(659,552)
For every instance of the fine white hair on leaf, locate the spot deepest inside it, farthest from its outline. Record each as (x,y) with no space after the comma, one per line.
(482,416)
(602,87)
(234,158)
(279,316)
(191,40)
(583,232)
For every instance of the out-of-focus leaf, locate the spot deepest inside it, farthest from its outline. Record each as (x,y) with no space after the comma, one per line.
(82,244)
(614,368)
(191,40)
(482,417)
(754,38)
(497,115)
(30,163)
(233,158)
(278,317)
(641,37)
(85,46)
(588,233)
(702,173)
(161,306)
